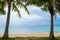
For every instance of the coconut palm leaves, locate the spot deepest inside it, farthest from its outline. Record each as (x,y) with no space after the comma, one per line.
(19,3)
(2,11)
(16,9)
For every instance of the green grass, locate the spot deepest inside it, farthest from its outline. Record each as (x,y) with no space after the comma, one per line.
(30,38)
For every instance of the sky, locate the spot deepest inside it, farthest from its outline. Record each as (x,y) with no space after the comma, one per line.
(37,21)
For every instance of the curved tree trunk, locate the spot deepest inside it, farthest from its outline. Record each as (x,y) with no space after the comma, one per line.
(7,21)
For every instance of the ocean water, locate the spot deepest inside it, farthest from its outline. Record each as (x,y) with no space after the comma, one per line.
(29,29)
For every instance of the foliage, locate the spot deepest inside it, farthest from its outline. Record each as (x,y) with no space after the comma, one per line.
(44,4)
(15,4)
(30,38)
(2,6)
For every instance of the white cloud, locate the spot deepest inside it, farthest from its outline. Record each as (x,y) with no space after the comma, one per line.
(32,17)
(26,17)
(58,15)
(31,8)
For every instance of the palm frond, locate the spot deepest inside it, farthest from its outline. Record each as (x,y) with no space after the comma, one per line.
(22,5)
(16,9)
(2,4)
(57,9)
(2,11)
(45,8)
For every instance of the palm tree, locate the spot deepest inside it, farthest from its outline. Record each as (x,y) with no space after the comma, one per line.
(52,6)
(13,4)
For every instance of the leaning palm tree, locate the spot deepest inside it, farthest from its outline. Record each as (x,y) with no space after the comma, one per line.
(12,4)
(53,6)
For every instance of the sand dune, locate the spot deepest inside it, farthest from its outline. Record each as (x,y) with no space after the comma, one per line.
(41,34)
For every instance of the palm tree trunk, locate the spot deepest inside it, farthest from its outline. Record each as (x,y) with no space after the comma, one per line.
(51,10)
(7,21)
(52,29)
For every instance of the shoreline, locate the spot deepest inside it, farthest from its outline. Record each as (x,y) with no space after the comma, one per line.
(39,34)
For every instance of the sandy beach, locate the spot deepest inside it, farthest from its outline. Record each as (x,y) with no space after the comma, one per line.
(41,34)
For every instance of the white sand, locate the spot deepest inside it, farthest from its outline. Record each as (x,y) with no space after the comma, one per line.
(41,34)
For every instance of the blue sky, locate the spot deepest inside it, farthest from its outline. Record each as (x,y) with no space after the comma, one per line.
(37,21)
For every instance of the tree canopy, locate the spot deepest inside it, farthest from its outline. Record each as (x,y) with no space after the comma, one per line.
(16,5)
(44,4)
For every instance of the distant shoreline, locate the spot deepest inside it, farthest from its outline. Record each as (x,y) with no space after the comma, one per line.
(40,34)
